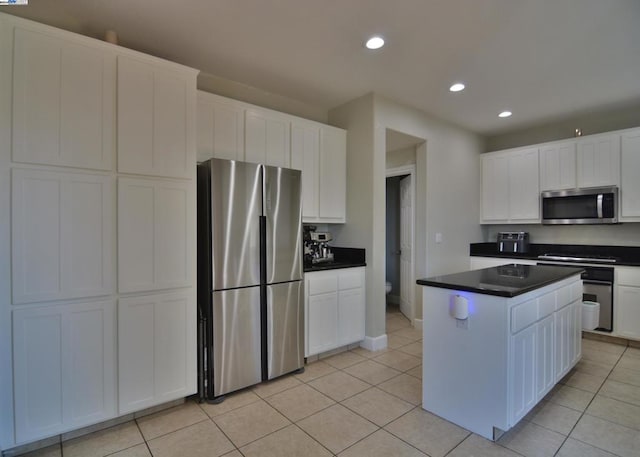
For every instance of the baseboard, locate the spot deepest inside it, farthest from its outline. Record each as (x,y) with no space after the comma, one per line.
(374,343)
(417,323)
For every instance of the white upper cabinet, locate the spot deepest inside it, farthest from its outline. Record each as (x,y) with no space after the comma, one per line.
(63,102)
(305,156)
(495,187)
(333,174)
(156,119)
(510,189)
(62,237)
(630,177)
(266,138)
(558,166)
(64,367)
(156,350)
(220,128)
(230,129)
(156,234)
(524,193)
(599,161)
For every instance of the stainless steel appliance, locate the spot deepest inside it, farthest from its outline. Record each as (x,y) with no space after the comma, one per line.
(316,246)
(250,288)
(596,205)
(513,242)
(597,282)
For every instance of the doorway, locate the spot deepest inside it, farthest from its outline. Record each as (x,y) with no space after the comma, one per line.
(400,208)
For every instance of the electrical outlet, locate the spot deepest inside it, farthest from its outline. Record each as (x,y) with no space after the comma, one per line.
(438,237)
(462,323)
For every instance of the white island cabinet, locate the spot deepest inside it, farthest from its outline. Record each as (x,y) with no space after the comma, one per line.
(516,334)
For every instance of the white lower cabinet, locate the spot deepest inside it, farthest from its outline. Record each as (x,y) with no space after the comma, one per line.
(64,367)
(156,350)
(523,347)
(627,302)
(334,309)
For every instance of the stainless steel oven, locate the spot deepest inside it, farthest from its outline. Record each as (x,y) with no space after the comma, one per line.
(597,286)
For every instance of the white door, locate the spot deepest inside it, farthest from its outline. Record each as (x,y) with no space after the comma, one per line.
(406,247)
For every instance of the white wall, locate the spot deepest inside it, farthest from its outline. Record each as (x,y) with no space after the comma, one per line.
(448,180)
(249,94)
(602,120)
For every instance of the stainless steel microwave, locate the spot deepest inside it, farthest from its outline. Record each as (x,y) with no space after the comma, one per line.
(596,205)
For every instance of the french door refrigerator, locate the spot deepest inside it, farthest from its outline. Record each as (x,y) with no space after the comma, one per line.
(250,288)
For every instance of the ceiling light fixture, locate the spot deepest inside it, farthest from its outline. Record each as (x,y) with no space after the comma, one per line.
(505,114)
(375,42)
(457,87)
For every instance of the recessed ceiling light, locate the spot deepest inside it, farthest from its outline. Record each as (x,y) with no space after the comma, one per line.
(505,114)
(375,42)
(457,87)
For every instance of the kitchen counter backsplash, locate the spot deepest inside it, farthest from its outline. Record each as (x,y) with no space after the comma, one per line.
(342,258)
(625,255)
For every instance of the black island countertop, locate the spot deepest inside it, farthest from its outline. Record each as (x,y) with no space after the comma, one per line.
(342,258)
(503,281)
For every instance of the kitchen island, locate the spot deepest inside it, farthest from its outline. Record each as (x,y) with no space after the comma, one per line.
(496,341)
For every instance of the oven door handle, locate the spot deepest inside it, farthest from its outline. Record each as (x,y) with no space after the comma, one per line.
(597,282)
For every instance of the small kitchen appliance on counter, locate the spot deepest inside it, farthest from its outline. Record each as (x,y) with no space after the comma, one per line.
(513,242)
(316,246)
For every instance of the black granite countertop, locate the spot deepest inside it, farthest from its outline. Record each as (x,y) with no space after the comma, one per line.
(624,255)
(342,258)
(504,281)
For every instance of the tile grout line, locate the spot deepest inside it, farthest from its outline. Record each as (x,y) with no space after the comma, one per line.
(582,414)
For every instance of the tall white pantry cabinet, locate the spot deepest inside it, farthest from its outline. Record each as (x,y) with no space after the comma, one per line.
(97,231)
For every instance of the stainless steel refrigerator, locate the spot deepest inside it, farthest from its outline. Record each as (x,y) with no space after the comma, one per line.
(250,288)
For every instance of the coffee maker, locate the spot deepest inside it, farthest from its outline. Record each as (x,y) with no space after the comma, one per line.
(316,246)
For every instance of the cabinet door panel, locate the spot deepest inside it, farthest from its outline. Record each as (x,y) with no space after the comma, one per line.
(155,234)
(305,156)
(62,235)
(135,116)
(38,372)
(267,139)
(322,314)
(64,366)
(333,175)
(170,126)
(524,194)
(563,341)
(63,102)
(90,342)
(157,349)
(351,315)
(545,371)
(599,161)
(629,182)
(524,374)
(558,166)
(220,128)
(156,107)
(495,187)
(628,312)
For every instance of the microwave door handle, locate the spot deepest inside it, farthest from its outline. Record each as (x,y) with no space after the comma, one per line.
(600,197)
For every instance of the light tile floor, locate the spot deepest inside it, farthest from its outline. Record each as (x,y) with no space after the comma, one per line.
(361,403)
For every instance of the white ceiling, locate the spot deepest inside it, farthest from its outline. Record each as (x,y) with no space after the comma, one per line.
(541,59)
